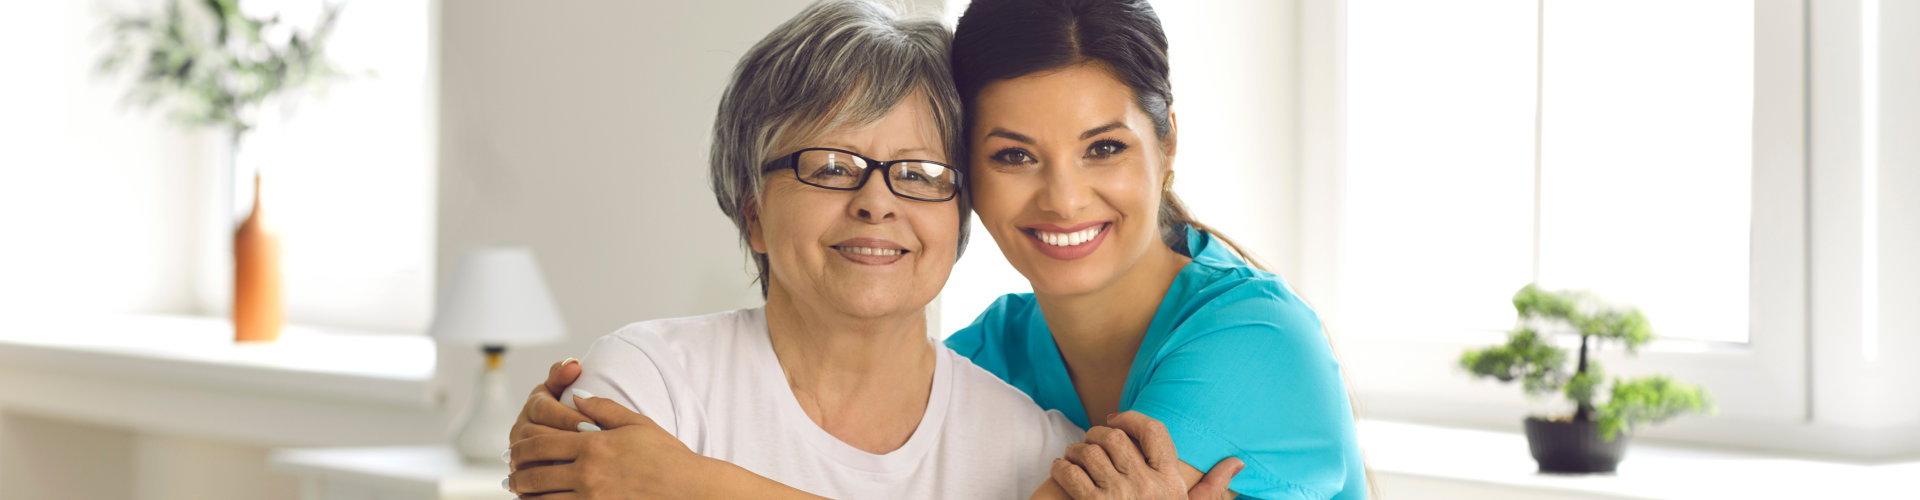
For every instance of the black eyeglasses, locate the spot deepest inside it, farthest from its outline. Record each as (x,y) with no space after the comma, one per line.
(842,170)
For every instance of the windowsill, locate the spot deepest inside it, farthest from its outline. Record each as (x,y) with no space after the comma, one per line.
(185,375)
(1497,464)
(356,366)
(1565,340)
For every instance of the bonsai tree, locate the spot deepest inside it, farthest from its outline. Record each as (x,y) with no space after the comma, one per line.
(212,65)
(1531,358)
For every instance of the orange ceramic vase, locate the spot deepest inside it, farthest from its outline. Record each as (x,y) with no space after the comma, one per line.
(256,277)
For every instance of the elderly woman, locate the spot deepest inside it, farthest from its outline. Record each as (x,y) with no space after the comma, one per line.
(831,154)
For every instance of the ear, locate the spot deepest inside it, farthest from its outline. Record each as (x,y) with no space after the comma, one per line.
(1173,136)
(756,236)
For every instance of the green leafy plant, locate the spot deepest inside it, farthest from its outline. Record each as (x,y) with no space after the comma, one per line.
(1540,366)
(209,64)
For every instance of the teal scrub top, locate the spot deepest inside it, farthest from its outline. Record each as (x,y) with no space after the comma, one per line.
(1234,364)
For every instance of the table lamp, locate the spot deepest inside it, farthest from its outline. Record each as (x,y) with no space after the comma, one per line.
(495,297)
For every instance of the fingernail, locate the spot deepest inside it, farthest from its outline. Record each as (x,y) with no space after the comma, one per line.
(587,427)
(503,484)
(568,361)
(1111,415)
(506,455)
(582,394)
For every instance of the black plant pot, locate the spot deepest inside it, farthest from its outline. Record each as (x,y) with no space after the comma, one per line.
(1573,447)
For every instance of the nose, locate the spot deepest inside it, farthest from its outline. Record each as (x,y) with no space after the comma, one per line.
(1066,191)
(874,203)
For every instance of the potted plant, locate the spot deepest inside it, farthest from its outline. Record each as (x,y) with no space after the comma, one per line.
(211,65)
(1593,438)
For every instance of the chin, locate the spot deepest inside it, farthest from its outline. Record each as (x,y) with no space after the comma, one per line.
(867,300)
(1069,279)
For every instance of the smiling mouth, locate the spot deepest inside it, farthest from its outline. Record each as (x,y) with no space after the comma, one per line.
(1067,239)
(870,251)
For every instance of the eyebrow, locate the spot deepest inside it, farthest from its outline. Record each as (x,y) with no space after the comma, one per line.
(897,154)
(1000,132)
(902,152)
(1110,126)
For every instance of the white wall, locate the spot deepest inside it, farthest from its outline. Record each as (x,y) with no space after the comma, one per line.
(44,458)
(1235,66)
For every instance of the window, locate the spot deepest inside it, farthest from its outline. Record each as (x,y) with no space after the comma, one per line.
(1640,191)
(118,210)
(351,177)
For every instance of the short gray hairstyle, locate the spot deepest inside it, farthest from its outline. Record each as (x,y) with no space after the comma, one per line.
(838,63)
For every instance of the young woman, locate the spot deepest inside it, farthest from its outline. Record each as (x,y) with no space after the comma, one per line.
(1135,307)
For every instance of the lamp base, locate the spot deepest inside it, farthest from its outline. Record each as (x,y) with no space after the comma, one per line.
(483,433)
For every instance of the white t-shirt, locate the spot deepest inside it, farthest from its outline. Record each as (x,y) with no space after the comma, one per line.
(714,382)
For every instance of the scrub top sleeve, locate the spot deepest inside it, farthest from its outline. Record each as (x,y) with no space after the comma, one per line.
(968,341)
(984,341)
(1269,393)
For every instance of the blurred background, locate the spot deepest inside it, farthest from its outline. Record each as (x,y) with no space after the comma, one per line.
(1747,173)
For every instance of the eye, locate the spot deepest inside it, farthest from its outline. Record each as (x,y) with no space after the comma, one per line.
(1012,156)
(1105,149)
(834,169)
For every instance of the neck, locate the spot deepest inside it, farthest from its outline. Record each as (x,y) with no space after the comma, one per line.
(864,380)
(1105,327)
(822,346)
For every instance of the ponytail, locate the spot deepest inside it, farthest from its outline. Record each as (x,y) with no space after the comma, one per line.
(1175,221)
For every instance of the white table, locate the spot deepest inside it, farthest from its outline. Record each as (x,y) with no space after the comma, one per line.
(390,473)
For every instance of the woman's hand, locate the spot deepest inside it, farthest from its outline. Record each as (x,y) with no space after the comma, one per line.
(1133,457)
(632,457)
(543,414)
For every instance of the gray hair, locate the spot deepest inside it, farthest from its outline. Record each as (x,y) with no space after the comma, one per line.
(838,63)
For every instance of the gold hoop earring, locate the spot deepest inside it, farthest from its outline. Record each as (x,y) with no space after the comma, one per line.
(1167,187)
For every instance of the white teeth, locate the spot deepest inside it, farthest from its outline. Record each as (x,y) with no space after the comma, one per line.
(1075,238)
(872,251)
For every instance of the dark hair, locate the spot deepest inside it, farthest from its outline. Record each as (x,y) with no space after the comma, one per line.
(1004,39)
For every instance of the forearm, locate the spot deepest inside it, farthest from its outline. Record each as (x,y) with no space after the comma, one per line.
(1050,490)
(726,480)
(1193,475)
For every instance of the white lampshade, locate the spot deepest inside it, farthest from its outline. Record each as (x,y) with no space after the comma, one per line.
(496,296)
